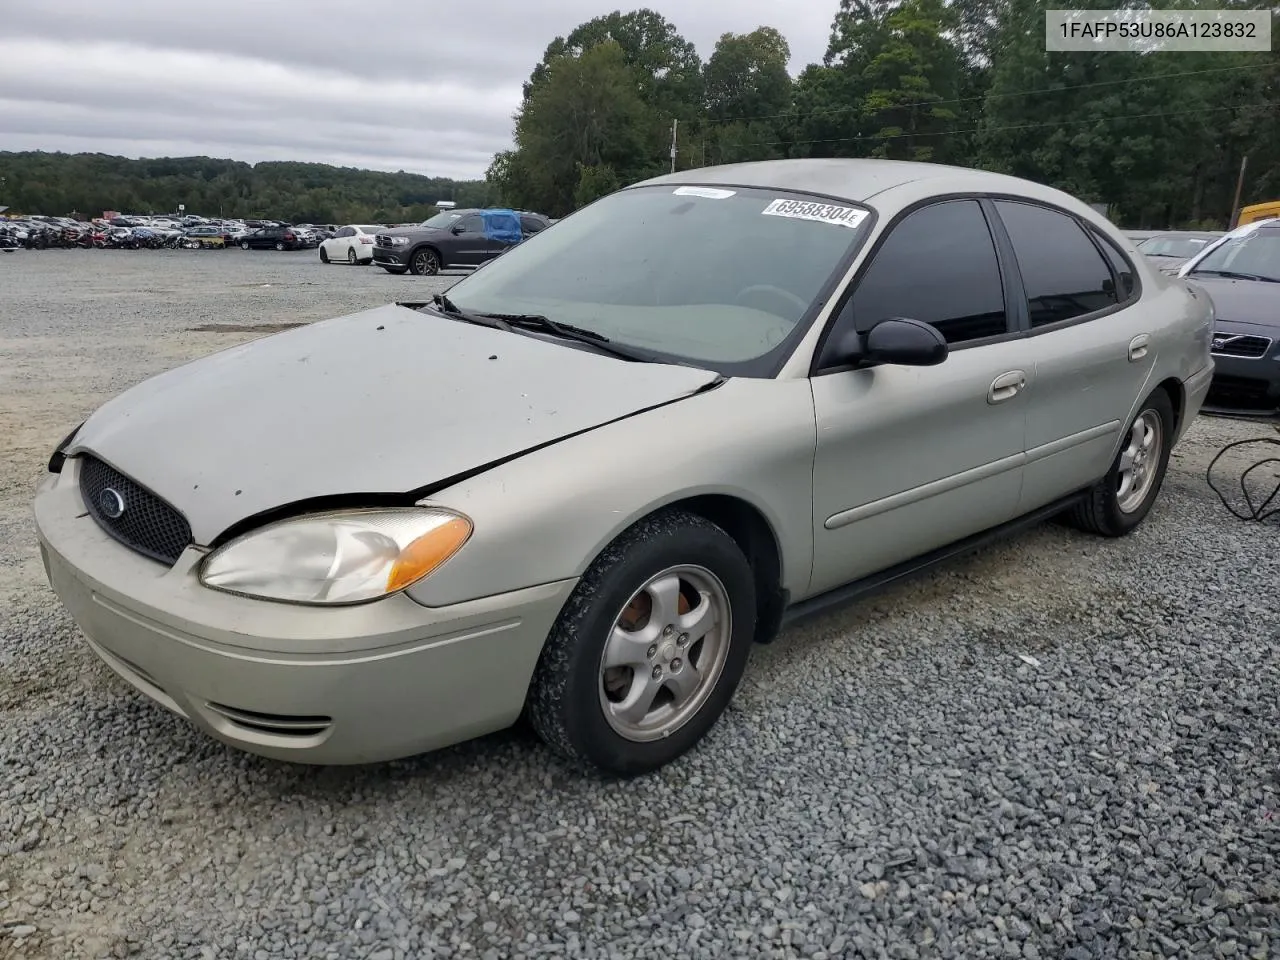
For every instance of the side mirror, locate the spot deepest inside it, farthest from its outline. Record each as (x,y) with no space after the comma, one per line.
(456,229)
(906,342)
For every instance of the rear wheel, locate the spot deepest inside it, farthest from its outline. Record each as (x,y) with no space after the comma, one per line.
(244,244)
(649,647)
(1122,499)
(425,263)
(279,245)
(351,256)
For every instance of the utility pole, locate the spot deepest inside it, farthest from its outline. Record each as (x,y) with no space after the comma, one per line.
(1235,207)
(675,125)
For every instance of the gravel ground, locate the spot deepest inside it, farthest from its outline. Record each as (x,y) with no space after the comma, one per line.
(1059,748)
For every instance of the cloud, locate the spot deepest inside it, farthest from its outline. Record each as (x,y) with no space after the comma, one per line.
(431,89)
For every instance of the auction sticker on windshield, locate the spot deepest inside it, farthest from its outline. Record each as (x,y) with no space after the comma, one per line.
(821,212)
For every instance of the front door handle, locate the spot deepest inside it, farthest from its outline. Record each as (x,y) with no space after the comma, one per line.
(1138,347)
(1006,386)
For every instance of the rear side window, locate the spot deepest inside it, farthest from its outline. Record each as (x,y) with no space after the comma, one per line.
(1063,273)
(530,225)
(938,265)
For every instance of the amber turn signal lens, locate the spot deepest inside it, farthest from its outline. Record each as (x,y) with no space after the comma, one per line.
(427,552)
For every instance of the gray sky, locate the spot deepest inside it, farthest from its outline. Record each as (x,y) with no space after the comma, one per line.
(420,87)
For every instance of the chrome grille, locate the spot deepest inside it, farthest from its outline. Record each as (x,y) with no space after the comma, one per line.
(132,514)
(1240,345)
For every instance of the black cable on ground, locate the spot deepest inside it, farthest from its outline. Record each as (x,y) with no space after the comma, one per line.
(1256,512)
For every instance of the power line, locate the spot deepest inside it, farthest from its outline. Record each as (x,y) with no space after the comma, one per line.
(986,96)
(1017,126)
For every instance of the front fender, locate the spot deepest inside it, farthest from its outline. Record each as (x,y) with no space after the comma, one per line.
(546,515)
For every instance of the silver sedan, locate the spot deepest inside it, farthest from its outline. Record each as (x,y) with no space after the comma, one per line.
(578,487)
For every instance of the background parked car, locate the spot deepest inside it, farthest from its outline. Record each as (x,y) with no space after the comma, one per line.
(352,243)
(1241,274)
(273,238)
(1174,247)
(454,238)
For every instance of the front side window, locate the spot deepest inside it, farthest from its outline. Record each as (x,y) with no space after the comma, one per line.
(1254,255)
(471,224)
(442,220)
(721,277)
(1063,273)
(938,265)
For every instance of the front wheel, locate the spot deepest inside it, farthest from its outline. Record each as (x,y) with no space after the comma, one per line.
(1121,500)
(395,270)
(324,257)
(244,244)
(649,647)
(425,263)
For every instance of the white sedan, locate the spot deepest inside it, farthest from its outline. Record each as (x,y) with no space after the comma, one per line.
(353,243)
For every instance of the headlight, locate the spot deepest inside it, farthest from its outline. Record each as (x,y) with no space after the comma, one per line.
(335,558)
(399,241)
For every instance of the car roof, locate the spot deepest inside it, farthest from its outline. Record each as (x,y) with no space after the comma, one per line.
(850,179)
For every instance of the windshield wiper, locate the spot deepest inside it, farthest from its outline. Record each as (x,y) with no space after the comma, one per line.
(1233,275)
(566,331)
(451,309)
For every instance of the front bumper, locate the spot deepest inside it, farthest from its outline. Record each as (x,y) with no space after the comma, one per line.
(339,685)
(391,256)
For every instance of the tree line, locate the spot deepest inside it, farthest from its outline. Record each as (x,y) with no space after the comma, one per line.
(90,183)
(1157,137)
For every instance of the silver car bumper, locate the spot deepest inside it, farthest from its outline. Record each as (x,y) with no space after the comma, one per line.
(341,685)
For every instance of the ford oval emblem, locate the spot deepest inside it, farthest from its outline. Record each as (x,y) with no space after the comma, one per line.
(111,503)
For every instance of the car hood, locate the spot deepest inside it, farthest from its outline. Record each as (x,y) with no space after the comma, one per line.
(387,401)
(1242,301)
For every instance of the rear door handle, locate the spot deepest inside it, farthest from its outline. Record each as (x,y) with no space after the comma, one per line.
(1006,386)
(1138,347)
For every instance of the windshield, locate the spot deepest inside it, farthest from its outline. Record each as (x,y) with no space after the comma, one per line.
(1172,246)
(441,219)
(1255,254)
(368,229)
(720,277)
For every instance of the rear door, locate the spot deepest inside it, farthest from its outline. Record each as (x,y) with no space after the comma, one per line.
(1094,350)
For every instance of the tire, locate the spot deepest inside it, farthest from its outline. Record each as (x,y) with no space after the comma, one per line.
(279,245)
(324,257)
(1106,510)
(244,244)
(574,698)
(424,263)
(395,270)
(351,256)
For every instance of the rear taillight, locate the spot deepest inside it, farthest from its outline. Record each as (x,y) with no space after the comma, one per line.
(366,239)
(290,236)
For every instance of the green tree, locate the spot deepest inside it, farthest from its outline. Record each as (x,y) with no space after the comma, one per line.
(586,113)
(667,69)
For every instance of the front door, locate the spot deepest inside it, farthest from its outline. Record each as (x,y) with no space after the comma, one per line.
(910,459)
(470,246)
